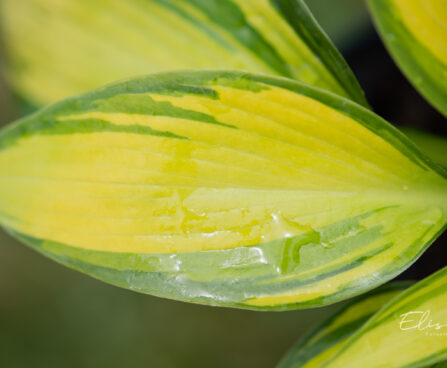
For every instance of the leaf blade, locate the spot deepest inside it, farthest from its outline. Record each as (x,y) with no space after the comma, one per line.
(412,32)
(426,348)
(222,188)
(247,35)
(326,339)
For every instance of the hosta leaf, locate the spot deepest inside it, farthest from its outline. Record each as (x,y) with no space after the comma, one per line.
(410,331)
(326,339)
(70,46)
(415,34)
(220,187)
(432,145)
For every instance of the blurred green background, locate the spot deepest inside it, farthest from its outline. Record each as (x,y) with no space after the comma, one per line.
(53,317)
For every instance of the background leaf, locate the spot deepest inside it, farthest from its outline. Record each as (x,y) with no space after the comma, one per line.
(432,145)
(72,46)
(221,188)
(326,339)
(388,345)
(415,34)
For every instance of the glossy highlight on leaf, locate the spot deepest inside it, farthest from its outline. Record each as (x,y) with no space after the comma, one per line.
(72,46)
(219,187)
(410,331)
(326,339)
(415,32)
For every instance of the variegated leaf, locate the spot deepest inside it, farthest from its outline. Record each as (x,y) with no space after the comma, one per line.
(326,339)
(58,48)
(415,32)
(223,188)
(410,331)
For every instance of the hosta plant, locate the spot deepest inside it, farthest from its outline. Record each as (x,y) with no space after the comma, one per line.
(270,191)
